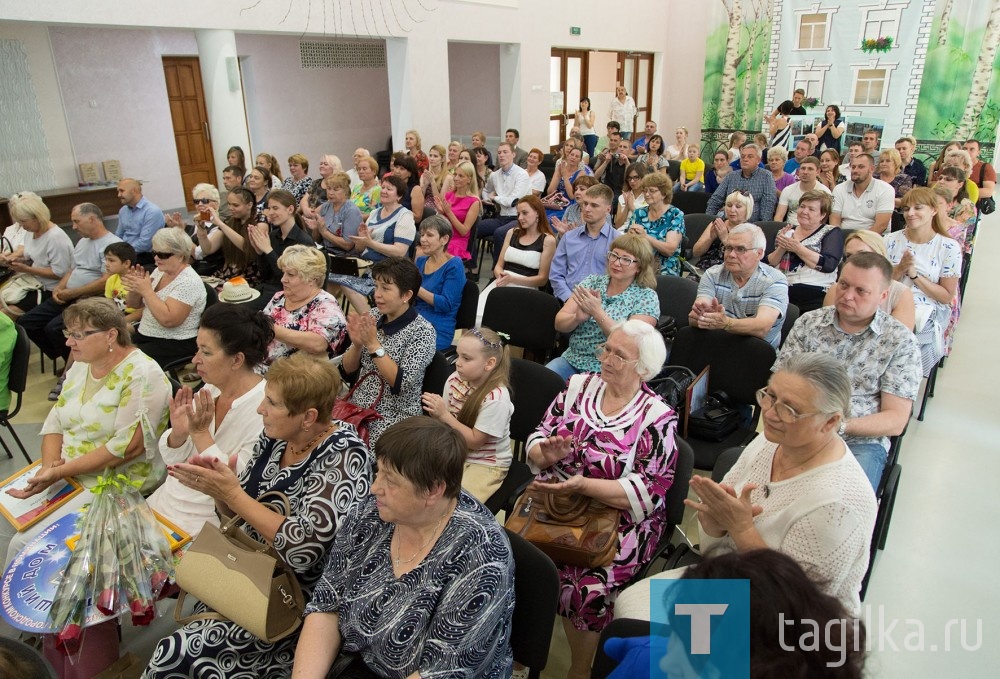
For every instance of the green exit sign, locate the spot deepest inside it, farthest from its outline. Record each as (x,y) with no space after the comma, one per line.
(574,30)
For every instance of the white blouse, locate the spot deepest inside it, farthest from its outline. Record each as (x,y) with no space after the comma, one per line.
(187,288)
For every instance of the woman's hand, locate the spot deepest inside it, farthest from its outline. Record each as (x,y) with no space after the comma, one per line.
(553,449)
(629,198)
(137,280)
(434,405)
(363,239)
(260,239)
(587,300)
(720,510)
(572,485)
(175,220)
(720,229)
(201,412)
(560,226)
(786,242)
(215,218)
(905,265)
(638,230)
(209,475)
(362,330)
(503,280)
(180,407)
(44,478)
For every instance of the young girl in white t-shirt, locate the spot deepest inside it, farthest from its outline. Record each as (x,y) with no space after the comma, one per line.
(476,404)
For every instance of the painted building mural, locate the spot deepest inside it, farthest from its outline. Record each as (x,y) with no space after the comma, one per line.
(925,67)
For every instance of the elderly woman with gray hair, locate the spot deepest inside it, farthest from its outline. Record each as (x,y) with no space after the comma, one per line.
(173,296)
(608,436)
(306,317)
(207,234)
(797,488)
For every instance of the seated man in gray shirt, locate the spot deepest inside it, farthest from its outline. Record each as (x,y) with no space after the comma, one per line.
(44,324)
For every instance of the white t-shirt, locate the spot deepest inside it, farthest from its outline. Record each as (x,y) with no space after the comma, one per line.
(859,212)
(537,181)
(187,288)
(52,250)
(493,420)
(790,196)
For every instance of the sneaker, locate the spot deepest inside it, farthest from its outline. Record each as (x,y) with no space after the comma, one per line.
(520,673)
(56,390)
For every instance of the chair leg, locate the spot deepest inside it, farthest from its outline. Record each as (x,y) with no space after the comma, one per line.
(10,455)
(17,439)
(928,392)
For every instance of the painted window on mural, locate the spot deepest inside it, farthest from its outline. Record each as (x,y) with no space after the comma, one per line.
(880,23)
(810,80)
(871,86)
(813,31)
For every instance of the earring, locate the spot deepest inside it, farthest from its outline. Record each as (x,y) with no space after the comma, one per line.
(109,349)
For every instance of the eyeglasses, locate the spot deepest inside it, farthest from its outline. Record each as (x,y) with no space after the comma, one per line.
(633,176)
(162,255)
(614,360)
(625,261)
(738,249)
(785,412)
(202,201)
(77,336)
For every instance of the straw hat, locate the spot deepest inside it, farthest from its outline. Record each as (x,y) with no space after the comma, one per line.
(237,290)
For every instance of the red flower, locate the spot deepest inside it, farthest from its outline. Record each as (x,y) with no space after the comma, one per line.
(108,601)
(158,581)
(143,611)
(68,640)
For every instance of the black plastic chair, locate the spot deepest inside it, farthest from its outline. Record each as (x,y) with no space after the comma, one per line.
(533,388)
(691,202)
(211,296)
(677,296)
(886,502)
(740,365)
(437,374)
(725,462)
(674,170)
(466,316)
(673,504)
(17,382)
(771,230)
(791,315)
(527,315)
(536,592)
(694,226)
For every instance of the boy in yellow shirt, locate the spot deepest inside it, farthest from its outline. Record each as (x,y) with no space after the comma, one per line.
(692,172)
(118,258)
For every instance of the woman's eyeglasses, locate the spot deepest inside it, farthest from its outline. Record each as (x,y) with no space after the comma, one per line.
(625,261)
(162,255)
(785,412)
(77,336)
(614,360)
(202,201)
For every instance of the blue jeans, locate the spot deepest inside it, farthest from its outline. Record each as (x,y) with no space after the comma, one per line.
(693,186)
(872,458)
(561,367)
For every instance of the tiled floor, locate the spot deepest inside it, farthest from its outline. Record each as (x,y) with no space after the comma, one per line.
(943,547)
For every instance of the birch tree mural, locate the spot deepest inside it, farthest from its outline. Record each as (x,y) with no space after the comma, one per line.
(727,99)
(942,36)
(981,76)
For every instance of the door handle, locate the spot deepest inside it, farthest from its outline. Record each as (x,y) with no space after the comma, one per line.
(208,136)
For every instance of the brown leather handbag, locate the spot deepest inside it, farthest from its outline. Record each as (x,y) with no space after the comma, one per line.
(574,530)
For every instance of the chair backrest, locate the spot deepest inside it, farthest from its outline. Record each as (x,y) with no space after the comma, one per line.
(674,170)
(466,316)
(791,315)
(528,316)
(536,592)
(678,491)
(691,202)
(725,462)
(533,388)
(17,379)
(740,364)
(694,225)
(211,296)
(771,230)
(437,374)
(677,296)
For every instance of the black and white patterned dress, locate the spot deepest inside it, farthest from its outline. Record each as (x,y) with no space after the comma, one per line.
(410,341)
(448,617)
(321,489)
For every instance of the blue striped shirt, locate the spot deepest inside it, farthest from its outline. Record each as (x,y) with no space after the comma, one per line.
(766,287)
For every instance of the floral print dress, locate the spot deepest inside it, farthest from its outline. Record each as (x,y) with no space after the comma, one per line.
(636,447)
(321,315)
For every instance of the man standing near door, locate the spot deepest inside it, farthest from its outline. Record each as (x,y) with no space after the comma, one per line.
(138,219)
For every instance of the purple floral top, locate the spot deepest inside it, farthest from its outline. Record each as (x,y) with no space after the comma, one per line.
(321,315)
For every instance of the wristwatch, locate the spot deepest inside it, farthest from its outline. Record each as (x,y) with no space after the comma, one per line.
(378,353)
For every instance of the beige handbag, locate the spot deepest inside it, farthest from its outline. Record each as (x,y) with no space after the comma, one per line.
(241,580)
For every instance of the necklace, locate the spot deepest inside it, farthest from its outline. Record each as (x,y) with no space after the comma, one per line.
(306,448)
(398,559)
(809,459)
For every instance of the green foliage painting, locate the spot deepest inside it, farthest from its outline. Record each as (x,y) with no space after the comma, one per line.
(960,88)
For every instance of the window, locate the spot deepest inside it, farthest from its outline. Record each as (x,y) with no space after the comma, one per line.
(881,22)
(870,86)
(813,31)
(810,78)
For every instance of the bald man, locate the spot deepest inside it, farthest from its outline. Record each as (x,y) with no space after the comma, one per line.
(359,153)
(138,219)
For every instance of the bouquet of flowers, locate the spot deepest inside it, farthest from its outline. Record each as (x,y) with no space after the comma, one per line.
(120,563)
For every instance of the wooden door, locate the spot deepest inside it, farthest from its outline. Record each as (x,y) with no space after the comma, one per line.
(190,118)
(568,77)
(635,72)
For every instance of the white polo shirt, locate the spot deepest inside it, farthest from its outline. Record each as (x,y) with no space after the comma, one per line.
(790,196)
(859,212)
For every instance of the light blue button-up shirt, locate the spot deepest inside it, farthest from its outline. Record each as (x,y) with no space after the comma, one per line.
(136,225)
